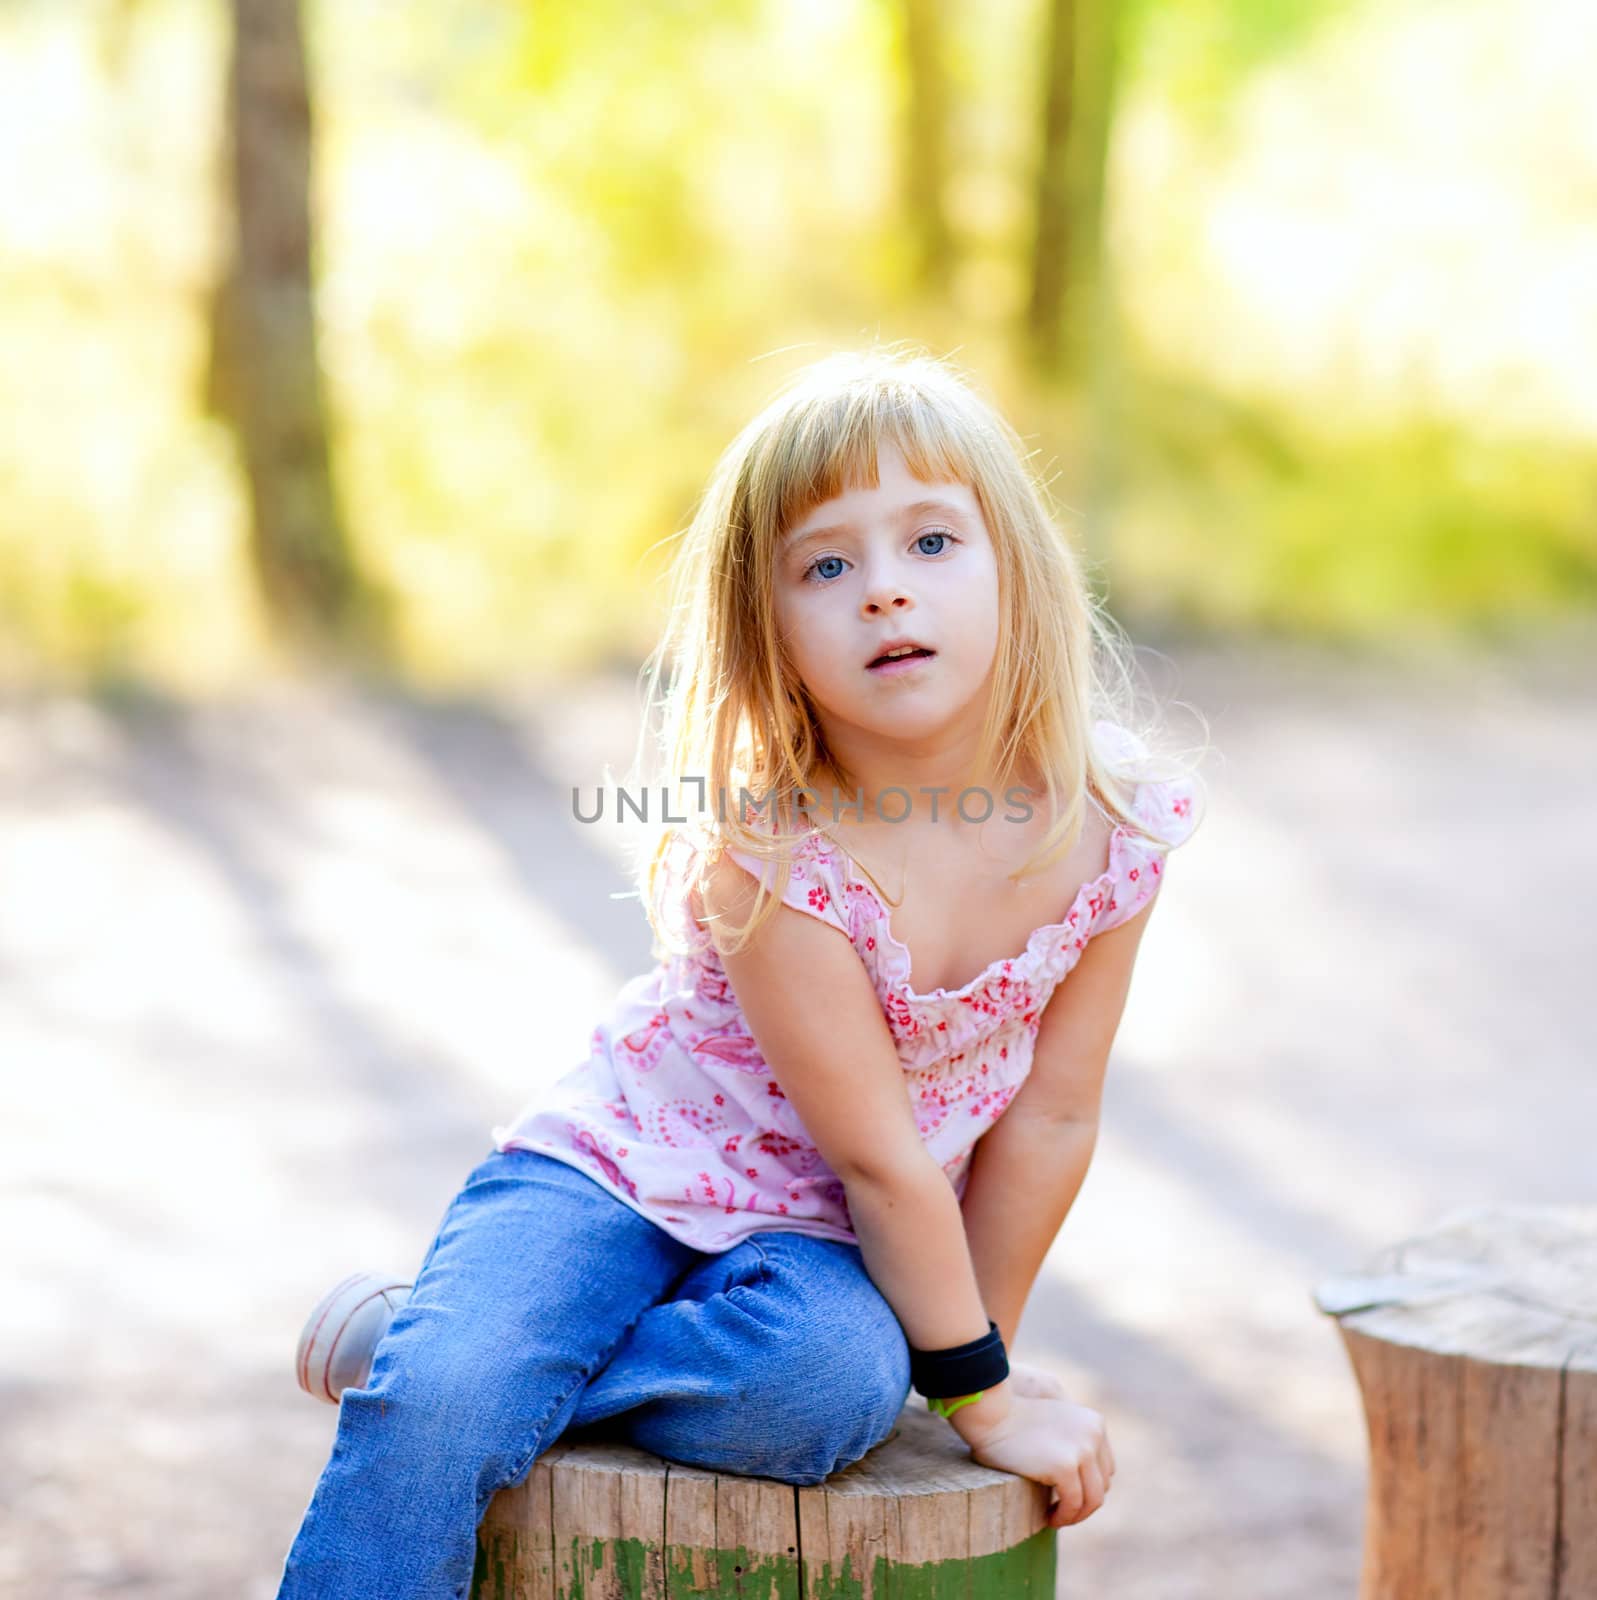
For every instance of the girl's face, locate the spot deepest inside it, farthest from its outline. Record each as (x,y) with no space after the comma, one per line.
(905,560)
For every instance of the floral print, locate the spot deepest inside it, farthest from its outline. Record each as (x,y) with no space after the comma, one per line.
(676,1113)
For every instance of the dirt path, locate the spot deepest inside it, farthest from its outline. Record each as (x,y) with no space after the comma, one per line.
(269,973)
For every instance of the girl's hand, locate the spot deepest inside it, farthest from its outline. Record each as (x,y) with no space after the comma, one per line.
(1055,1442)
(1035,1382)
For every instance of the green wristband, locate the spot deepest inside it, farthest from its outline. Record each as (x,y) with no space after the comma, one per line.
(944,1409)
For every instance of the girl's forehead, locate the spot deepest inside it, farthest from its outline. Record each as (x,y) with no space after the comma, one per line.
(894,483)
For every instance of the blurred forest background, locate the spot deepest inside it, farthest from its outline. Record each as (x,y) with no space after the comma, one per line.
(404,336)
(416,328)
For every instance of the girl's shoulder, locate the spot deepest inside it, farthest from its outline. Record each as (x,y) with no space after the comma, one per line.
(811,881)
(1166,799)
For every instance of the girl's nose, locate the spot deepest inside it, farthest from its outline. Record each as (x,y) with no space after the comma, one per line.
(884,590)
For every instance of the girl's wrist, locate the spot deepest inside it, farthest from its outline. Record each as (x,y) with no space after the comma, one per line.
(976,1419)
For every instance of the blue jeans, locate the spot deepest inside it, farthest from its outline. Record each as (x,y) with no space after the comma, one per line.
(545,1304)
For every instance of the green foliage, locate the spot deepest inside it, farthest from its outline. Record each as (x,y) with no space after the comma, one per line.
(1247,517)
(564,253)
(1199,53)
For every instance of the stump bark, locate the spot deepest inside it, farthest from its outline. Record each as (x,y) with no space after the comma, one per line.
(1475,1349)
(915,1519)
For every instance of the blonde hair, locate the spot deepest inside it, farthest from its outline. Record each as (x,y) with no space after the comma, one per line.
(735,716)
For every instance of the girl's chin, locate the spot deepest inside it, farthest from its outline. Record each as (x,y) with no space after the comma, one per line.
(896,711)
(909,723)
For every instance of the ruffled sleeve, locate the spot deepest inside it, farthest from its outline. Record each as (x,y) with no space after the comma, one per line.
(1169,808)
(675,904)
(812,882)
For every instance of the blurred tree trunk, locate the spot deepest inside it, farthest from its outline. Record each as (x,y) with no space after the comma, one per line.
(1052,233)
(1092,313)
(264,379)
(1081,71)
(1069,335)
(925,152)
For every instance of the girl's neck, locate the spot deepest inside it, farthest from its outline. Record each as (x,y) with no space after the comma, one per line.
(910,791)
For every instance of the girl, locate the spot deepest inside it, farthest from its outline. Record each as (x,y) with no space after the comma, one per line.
(817,1155)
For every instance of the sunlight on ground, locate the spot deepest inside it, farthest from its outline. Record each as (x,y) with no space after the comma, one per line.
(212,904)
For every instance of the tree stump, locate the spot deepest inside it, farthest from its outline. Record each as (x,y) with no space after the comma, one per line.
(1475,1348)
(915,1518)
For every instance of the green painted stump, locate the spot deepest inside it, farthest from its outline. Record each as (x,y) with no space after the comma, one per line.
(916,1519)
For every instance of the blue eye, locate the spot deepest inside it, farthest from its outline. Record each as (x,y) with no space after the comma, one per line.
(812,571)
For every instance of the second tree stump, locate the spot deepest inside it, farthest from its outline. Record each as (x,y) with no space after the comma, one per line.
(1475,1347)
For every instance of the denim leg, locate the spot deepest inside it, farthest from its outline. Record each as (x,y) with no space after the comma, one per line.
(778,1358)
(536,1274)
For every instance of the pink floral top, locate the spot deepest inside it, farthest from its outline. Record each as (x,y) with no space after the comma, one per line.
(676,1113)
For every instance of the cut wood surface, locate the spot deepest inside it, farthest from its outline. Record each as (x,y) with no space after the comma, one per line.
(1475,1346)
(916,1517)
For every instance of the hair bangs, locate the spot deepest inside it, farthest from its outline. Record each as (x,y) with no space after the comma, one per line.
(831,440)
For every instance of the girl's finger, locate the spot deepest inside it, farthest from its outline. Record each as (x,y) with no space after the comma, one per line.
(1106,1460)
(1093,1486)
(1068,1508)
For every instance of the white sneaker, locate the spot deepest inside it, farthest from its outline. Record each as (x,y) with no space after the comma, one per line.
(340,1335)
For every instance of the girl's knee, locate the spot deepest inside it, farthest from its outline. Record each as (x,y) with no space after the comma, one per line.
(802,1406)
(852,1344)
(866,1374)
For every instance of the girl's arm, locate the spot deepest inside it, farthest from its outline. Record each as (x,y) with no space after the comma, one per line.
(1028,1168)
(815,1015)
(813,1012)
(1024,1178)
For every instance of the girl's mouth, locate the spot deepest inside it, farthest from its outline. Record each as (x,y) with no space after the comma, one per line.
(897,666)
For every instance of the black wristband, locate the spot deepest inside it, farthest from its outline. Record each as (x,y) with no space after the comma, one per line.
(962,1368)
